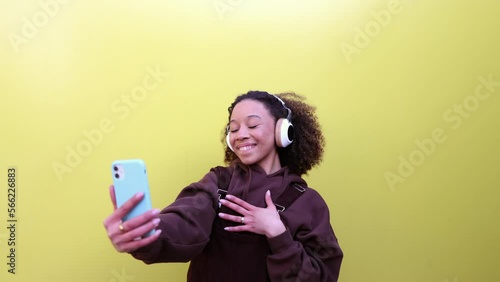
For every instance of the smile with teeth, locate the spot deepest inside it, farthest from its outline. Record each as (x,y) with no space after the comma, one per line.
(246,147)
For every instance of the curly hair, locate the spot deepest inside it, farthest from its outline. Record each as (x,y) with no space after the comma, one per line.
(306,150)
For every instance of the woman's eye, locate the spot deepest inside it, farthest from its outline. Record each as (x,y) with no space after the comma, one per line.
(233,130)
(253,126)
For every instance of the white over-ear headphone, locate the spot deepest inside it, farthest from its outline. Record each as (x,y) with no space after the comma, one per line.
(283,131)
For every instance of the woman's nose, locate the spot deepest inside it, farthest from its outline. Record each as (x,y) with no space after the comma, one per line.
(241,134)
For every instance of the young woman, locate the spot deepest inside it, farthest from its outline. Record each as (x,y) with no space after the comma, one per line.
(255,220)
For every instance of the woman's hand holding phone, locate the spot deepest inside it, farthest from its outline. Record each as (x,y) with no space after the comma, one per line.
(129,238)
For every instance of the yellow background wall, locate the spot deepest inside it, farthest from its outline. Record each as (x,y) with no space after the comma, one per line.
(412,125)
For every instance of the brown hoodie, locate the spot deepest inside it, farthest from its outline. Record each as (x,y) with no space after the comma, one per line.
(191,231)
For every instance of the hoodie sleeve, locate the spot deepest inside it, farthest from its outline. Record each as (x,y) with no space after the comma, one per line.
(186,224)
(312,253)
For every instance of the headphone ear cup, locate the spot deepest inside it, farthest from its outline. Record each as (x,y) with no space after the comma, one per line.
(283,133)
(228,141)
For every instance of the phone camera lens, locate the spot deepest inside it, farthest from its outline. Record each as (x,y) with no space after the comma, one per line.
(115,168)
(117,175)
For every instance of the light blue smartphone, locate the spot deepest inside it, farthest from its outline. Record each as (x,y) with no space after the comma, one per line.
(129,178)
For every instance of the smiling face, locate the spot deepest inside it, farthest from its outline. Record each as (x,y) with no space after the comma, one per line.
(251,135)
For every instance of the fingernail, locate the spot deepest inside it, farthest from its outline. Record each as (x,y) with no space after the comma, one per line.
(226,228)
(156,221)
(139,195)
(268,192)
(222,201)
(229,196)
(155,212)
(221,215)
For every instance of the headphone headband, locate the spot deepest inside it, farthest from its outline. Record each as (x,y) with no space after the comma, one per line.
(289,115)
